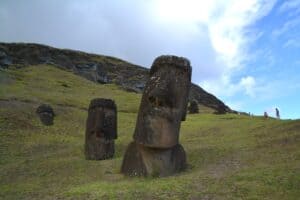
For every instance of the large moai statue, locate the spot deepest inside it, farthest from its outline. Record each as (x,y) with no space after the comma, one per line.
(101,129)
(155,150)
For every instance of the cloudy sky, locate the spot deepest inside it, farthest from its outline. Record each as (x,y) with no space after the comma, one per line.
(246,52)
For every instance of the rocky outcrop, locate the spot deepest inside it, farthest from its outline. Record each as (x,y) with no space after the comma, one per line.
(97,68)
(207,99)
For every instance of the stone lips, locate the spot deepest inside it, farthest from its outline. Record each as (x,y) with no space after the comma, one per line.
(101,129)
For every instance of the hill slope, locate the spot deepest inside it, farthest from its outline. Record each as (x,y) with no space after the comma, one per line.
(230,156)
(97,68)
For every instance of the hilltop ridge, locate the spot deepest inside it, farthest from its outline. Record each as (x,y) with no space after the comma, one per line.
(97,68)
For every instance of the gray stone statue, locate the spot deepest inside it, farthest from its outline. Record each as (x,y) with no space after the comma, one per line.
(46,114)
(156,150)
(101,129)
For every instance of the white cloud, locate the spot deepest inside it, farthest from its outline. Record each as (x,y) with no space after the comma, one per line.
(230,39)
(288,5)
(286,27)
(213,34)
(292,43)
(226,22)
(248,83)
(227,28)
(224,87)
(235,105)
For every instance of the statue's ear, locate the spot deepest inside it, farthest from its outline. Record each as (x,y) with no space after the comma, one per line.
(184,112)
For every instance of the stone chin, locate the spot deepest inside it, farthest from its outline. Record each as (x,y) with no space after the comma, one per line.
(158,129)
(165,132)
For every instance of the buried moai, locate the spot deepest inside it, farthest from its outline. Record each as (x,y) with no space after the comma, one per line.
(193,107)
(101,129)
(46,114)
(155,150)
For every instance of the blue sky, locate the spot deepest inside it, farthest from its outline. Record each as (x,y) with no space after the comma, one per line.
(244,52)
(274,64)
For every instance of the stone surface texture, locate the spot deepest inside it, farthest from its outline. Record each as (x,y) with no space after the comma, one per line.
(101,129)
(46,114)
(155,150)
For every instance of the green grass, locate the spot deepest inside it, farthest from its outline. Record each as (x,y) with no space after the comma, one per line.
(229,156)
(45,83)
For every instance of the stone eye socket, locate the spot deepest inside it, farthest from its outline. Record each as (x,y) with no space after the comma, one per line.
(160,102)
(180,73)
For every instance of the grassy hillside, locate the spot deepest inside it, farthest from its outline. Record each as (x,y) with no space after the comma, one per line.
(97,68)
(229,156)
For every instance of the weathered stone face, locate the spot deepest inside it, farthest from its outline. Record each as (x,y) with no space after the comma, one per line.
(101,129)
(164,102)
(101,122)
(143,161)
(46,114)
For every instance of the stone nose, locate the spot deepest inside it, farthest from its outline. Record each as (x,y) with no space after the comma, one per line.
(99,123)
(160,97)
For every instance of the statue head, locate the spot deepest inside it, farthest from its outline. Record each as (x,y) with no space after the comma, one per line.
(193,108)
(101,129)
(102,119)
(164,102)
(46,114)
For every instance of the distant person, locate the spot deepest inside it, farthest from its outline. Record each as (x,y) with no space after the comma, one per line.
(266,114)
(277,113)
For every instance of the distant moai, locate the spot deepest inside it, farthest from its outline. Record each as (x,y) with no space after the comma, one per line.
(155,150)
(277,113)
(46,114)
(101,129)
(220,110)
(266,114)
(193,107)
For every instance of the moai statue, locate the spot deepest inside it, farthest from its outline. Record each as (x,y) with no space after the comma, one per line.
(155,150)
(193,108)
(46,114)
(101,129)
(221,110)
(277,113)
(266,114)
